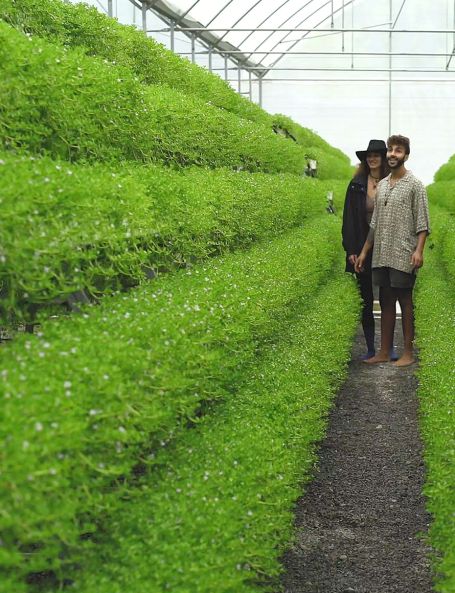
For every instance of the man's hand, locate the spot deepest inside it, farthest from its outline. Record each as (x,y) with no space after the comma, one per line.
(352,259)
(359,263)
(417,259)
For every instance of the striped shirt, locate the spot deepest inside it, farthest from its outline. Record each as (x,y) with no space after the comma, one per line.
(400,213)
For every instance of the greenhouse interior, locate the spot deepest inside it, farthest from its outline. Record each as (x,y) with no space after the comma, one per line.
(227,277)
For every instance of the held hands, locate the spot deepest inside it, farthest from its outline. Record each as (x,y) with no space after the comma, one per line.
(360,262)
(352,259)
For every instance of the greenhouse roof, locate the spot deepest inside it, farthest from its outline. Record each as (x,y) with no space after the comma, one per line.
(372,68)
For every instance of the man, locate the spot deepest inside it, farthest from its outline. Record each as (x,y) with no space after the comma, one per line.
(398,230)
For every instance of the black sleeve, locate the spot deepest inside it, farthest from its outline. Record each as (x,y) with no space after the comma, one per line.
(348,228)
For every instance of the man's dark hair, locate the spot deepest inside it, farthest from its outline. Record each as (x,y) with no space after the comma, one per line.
(399,140)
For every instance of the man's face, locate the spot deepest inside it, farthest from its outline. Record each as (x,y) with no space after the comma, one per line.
(396,156)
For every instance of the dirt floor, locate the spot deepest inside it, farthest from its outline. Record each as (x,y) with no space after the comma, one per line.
(361,524)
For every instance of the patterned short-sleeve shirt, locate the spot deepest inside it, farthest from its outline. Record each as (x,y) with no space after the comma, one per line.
(400,213)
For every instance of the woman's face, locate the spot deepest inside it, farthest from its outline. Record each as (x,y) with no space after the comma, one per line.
(374,160)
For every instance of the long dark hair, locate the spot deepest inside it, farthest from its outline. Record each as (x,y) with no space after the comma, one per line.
(363,170)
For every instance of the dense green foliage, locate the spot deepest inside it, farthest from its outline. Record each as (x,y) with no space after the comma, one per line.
(218,513)
(447,171)
(79,26)
(436,337)
(122,377)
(98,35)
(435,323)
(442,194)
(75,107)
(69,228)
(120,161)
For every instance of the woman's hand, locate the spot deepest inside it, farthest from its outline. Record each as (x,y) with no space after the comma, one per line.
(359,263)
(352,259)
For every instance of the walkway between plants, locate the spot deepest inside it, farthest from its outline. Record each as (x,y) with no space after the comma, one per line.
(361,523)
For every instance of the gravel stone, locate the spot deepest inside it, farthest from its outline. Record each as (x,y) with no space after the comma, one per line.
(361,525)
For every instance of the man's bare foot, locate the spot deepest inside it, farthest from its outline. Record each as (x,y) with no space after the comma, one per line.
(405,360)
(379,357)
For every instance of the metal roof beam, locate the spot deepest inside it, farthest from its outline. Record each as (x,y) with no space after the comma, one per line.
(188,26)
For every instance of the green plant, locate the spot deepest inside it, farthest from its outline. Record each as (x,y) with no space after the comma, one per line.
(71,106)
(216,513)
(90,397)
(67,228)
(435,339)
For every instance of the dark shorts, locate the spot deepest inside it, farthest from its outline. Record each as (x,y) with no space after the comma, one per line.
(391,278)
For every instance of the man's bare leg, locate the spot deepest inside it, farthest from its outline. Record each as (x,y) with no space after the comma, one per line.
(387,299)
(407,320)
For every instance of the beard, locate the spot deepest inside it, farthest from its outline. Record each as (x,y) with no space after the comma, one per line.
(398,163)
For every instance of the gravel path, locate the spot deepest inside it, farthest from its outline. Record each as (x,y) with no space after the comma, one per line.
(361,522)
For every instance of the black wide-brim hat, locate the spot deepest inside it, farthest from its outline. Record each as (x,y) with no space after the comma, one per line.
(373,146)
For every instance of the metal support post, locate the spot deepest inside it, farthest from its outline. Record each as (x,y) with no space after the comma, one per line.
(251,84)
(193,48)
(390,69)
(110,11)
(210,58)
(144,16)
(352,35)
(226,73)
(453,45)
(172,35)
(260,91)
(342,26)
(239,72)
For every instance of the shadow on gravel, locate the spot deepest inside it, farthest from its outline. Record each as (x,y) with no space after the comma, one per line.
(361,524)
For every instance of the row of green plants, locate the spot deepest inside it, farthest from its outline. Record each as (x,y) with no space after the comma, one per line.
(216,512)
(441,193)
(72,106)
(97,35)
(446,172)
(68,228)
(435,336)
(106,389)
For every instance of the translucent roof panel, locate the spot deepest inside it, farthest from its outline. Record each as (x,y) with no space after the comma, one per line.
(248,15)
(331,65)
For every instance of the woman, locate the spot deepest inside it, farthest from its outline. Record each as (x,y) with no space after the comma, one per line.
(358,209)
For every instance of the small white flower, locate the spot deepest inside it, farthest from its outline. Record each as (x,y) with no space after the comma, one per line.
(38,426)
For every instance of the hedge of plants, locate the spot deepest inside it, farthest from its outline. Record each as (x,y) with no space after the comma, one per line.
(68,228)
(446,172)
(71,106)
(103,389)
(216,513)
(435,324)
(121,161)
(98,35)
(436,335)
(442,194)
(80,26)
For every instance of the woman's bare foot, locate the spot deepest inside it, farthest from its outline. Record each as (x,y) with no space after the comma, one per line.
(379,357)
(406,359)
